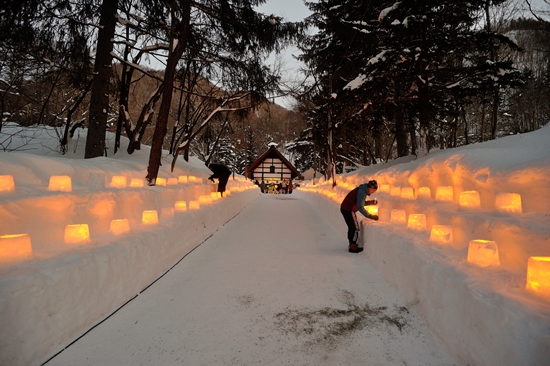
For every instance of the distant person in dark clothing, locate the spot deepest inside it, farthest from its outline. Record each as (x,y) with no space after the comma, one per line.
(222,173)
(353,202)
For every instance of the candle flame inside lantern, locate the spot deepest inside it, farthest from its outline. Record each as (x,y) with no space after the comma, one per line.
(60,183)
(395,191)
(407,193)
(119,226)
(372,210)
(469,199)
(417,222)
(442,234)
(172,181)
(398,217)
(161,182)
(194,205)
(136,182)
(15,247)
(118,181)
(182,179)
(424,192)
(508,202)
(483,253)
(180,206)
(384,188)
(77,234)
(150,217)
(538,275)
(6,183)
(444,193)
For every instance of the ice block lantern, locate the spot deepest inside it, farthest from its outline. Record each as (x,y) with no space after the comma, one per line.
(182,179)
(6,183)
(15,247)
(417,222)
(442,234)
(398,217)
(372,209)
(385,188)
(136,182)
(469,199)
(538,275)
(407,193)
(216,195)
(150,217)
(192,178)
(483,253)
(424,192)
(60,183)
(395,191)
(194,205)
(119,226)
(161,182)
(118,181)
(444,193)
(508,202)
(205,200)
(172,181)
(180,206)
(77,234)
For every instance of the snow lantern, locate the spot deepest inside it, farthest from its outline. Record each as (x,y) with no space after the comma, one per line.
(372,209)
(192,178)
(483,253)
(384,188)
(15,247)
(442,234)
(60,183)
(417,222)
(194,205)
(182,179)
(77,234)
(227,193)
(205,199)
(161,182)
(216,195)
(180,206)
(172,181)
(469,199)
(119,226)
(407,193)
(398,217)
(424,192)
(538,275)
(118,181)
(150,217)
(6,183)
(508,202)
(136,182)
(444,193)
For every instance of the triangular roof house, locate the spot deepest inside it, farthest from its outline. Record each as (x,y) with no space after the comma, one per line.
(272,165)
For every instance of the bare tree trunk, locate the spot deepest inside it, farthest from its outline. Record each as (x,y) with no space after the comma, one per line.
(399,121)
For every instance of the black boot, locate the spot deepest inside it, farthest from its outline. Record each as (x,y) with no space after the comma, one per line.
(353,248)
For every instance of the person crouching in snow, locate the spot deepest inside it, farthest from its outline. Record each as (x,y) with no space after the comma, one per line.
(222,173)
(353,202)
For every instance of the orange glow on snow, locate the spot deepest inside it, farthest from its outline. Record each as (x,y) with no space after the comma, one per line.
(182,179)
(442,234)
(60,183)
(444,193)
(417,222)
(407,193)
(119,226)
(194,205)
(469,199)
(508,202)
(483,253)
(118,181)
(398,217)
(136,182)
(150,217)
(538,275)
(15,247)
(77,234)
(6,183)
(424,192)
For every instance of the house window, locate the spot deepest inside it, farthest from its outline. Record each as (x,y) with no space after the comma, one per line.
(272,169)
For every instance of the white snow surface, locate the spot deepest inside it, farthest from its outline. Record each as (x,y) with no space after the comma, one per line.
(254,279)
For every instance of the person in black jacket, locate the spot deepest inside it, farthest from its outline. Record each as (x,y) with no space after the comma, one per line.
(222,173)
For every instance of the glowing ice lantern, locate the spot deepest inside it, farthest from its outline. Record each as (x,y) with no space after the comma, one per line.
(508,202)
(180,206)
(538,275)
(182,179)
(150,217)
(442,234)
(395,191)
(372,210)
(216,195)
(194,205)
(6,183)
(118,181)
(15,247)
(407,193)
(469,199)
(205,200)
(119,226)
(483,253)
(77,234)
(424,192)
(444,193)
(172,181)
(60,183)
(384,188)
(417,222)
(161,182)
(398,217)
(136,182)
(192,178)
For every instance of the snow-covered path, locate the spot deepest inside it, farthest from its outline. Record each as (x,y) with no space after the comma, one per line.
(273,286)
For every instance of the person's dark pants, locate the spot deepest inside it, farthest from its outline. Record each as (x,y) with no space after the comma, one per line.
(222,183)
(353,226)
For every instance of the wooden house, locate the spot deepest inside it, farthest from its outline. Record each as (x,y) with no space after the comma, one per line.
(271,166)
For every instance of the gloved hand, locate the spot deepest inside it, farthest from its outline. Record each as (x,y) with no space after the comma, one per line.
(371,202)
(212,179)
(373,217)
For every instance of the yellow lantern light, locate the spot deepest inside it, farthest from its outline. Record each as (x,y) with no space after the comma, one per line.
(417,222)
(444,193)
(77,234)
(398,217)
(407,193)
(119,226)
(538,275)
(469,199)
(192,178)
(424,192)
(136,182)
(6,183)
(161,182)
(384,188)
(15,247)
(60,183)
(205,200)
(172,181)
(442,234)
(395,191)
(180,206)
(372,210)
(483,253)
(150,217)
(182,179)
(216,195)
(508,202)
(227,193)
(194,205)
(118,181)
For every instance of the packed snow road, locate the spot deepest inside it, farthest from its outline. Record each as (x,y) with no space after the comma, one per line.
(273,286)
